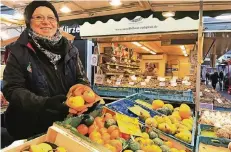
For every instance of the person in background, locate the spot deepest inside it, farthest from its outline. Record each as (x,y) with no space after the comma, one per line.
(41,67)
(151,70)
(207,77)
(214,79)
(221,78)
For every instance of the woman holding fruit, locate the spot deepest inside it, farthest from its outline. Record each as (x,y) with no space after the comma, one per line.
(41,68)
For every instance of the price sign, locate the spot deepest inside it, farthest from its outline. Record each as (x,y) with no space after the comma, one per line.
(131,83)
(206,106)
(147,80)
(99,78)
(94,59)
(162,84)
(128,125)
(143,83)
(149,77)
(219,100)
(173,84)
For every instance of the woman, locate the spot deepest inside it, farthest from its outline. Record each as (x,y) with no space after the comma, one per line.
(214,78)
(41,67)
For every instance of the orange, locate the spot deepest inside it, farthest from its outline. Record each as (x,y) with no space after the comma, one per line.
(82,129)
(115,134)
(106,137)
(110,147)
(98,120)
(169,144)
(111,128)
(89,96)
(156,104)
(117,144)
(102,130)
(107,116)
(184,111)
(92,128)
(100,124)
(99,141)
(95,135)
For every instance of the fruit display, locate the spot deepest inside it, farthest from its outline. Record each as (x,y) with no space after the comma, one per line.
(209,95)
(45,147)
(80,97)
(215,118)
(205,148)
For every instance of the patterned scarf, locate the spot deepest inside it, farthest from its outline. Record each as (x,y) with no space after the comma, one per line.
(50,46)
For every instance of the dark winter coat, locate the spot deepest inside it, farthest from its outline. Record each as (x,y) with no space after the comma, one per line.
(29,80)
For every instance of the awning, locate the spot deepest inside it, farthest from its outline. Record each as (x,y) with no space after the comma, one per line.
(138,25)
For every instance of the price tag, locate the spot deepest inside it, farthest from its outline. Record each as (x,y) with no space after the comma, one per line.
(161,79)
(128,125)
(219,100)
(131,83)
(201,94)
(143,83)
(99,78)
(94,59)
(117,83)
(162,84)
(134,78)
(147,80)
(149,77)
(108,81)
(206,106)
(173,84)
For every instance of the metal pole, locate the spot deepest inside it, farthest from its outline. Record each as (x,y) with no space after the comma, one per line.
(199,56)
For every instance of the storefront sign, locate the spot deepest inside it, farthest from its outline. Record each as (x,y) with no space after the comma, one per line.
(138,25)
(73,29)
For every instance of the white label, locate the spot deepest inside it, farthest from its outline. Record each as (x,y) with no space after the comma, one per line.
(201,94)
(131,83)
(99,78)
(117,83)
(161,79)
(147,80)
(219,100)
(94,59)
(118,80)
(173,84)
(162,84)
(134,78)
(149,77)
(143,83)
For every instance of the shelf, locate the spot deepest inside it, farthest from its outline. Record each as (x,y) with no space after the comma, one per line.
(135,67)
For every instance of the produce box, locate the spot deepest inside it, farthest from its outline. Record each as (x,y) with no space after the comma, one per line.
(114,91)
(206,131)
(123,106)
(58,137)
(211,144)
(170,95)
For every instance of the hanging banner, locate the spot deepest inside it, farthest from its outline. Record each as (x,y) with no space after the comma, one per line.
(138,25)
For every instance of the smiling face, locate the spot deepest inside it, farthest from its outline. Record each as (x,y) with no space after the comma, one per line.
(44,22)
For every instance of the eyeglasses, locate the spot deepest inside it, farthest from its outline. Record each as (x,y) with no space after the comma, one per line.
(40,18)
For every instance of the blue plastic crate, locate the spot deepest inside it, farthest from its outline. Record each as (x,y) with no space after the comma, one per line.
(211,141)
(202,127)
(170,95)
(114,91)
(121,106)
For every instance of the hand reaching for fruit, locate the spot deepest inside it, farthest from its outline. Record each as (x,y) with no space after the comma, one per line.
(80,98)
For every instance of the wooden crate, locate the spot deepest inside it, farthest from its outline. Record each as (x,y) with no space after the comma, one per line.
(60,138)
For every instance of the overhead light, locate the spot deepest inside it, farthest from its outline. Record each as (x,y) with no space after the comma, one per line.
(65,9)
(224,17)
(185,54)
(18,16)
(184,51)
(137,44)
(168,14)
(147,49)
(115,2)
